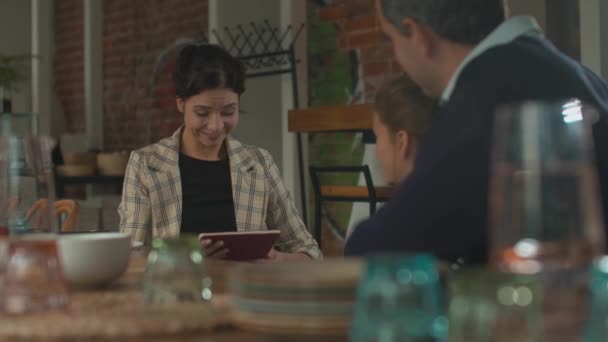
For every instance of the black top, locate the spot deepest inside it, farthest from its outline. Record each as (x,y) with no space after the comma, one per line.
(207,204)
(442,208)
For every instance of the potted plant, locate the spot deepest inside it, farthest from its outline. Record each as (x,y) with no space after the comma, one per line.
(11,73)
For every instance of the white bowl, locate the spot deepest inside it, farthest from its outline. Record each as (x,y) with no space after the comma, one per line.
(94,259)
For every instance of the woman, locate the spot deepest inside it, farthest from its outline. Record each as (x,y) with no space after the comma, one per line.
(402,114)
(200,179)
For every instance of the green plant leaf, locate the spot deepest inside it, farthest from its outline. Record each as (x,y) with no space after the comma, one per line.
(12,69)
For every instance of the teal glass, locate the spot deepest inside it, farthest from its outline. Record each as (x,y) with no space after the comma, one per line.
(175,272)
(487,305)
(27,185)
(597,323)
(399,299)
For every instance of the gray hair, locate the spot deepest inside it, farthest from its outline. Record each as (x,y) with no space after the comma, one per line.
(461,21)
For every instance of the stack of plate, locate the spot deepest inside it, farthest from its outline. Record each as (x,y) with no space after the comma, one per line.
(295,297)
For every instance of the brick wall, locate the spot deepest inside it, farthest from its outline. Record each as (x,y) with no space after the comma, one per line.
(359,30)
(137,110)
(357,33)
(69,73)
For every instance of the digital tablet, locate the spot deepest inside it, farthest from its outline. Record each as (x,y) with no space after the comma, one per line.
(245,246)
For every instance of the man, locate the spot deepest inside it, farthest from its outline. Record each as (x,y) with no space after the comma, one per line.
(465,54)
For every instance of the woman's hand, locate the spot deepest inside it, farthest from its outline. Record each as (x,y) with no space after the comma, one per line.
(214,250)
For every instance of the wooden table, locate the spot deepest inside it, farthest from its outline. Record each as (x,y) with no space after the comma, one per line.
(233,335)
(116,311)
(217,270)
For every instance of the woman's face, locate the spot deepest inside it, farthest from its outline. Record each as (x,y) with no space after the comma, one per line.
(210,116)
(393,151)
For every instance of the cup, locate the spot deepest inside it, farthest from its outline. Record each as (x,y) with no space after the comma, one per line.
(545,212)
(490,305)
(399,299)
(33,279)
(175,273)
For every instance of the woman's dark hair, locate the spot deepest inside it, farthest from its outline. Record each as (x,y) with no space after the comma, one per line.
(401,105)
(203,67)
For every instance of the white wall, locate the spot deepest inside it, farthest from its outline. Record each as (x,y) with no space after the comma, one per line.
(294,13)
(44,98)
(594,35)
(15,35)
(93,75)
(261,125)
(535,8)
(26,27)
(267,99)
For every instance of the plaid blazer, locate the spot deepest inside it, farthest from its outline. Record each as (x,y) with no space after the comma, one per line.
(151,203)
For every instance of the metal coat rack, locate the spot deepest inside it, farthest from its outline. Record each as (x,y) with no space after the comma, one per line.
(268,50)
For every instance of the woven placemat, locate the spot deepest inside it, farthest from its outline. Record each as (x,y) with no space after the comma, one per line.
(114,313)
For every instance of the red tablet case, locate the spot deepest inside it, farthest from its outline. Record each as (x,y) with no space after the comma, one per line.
(245,246)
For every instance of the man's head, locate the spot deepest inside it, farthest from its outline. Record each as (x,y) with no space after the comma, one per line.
(431,37)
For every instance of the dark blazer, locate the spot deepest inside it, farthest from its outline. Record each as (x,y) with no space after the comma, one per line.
(442,207)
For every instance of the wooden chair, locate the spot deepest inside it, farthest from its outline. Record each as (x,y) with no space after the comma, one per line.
(353,118)
(345,193)
(68,207)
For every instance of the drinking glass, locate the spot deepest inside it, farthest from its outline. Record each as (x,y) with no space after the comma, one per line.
(493,306)
(175,273)
(597,323)
(399,299)
(27,191)
(33,279)
(544,205)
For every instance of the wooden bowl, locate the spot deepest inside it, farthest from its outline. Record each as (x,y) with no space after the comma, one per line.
(80,158)
(76,170)
(112,164)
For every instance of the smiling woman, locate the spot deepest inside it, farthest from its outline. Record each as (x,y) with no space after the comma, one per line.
(201,180)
